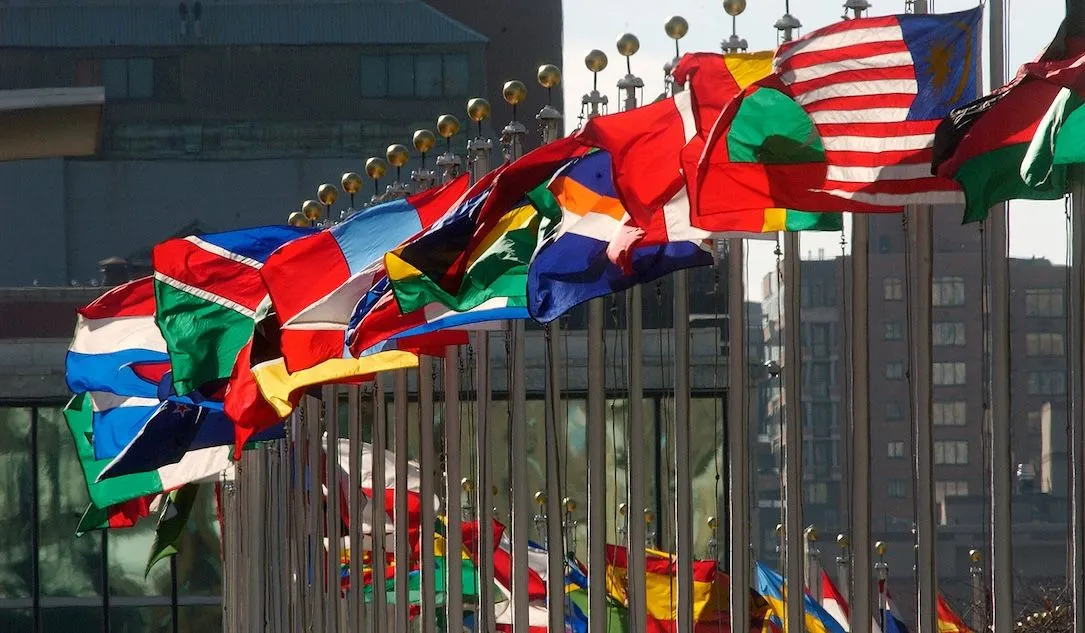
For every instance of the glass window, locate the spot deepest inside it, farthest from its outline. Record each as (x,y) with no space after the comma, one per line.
(894,410)
(817,493)
(115,78)
(141,620)
(894,488)
(427,76)
(951,452)
(200,618)
(943,489)
(950,413)
(373,74)
(140,78)
(894,331)
(1044,344)
(1046,383)
(75,619)
(16,620)
(895,450)
(819,339)
(893,289)
(198,564)
(818,293)
(455,75)
(1043,302)
(894,370)
(69,566)
(948,291)
(948,333)
(400,75)
(128,560)
(948,374)
(16,501)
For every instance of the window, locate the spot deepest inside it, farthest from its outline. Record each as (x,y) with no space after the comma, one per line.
(948,333)
(948,291)
(949,413)
(817,493)
(1046,383)
(821,418)
(1043,302)
(819,293)
(421,75)
(943,489)
(819,378)
(894,488)
(951,452)
(894,331)
(894,370)
(893,289)
(819,339)
(948,374)
(894,410)
(1044,344)
(885,245)
(896,450)
(131,78)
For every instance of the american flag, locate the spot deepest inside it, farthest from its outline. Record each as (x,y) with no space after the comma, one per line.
(876,89)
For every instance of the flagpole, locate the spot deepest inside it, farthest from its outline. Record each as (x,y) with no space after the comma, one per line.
(514,93)
(1001,433)
(356,593)
(738,430)
(402,544)
(1077,394)
(331,508)
(550,119)
(316,525)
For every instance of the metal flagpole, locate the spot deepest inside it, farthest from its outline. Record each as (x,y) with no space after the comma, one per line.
(979,599)
(354,506)
(423,178)
(596,61)
(477,110)
(861,570)
(316,523)
(1001,454)
(738,431)
(921,343)
(793,528)
(483,483)
(843,570)
(331,423)
(550,119)
(522,514)
(1077,394)
(380,514)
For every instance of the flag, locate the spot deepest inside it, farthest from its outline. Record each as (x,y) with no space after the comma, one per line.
(173,430)
(948,621)
(194,466)
(339,265)
(171,523)
(836,605)
(891,621)
(710,590)
(207,291)
(261,391)
(584,215)
(846,123)
(114,335)
(122,515)
(1017,142)
(772,587)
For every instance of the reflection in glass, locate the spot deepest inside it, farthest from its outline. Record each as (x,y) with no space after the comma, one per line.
(69,566)
(200,618)
(16,499)
(76,620)
(16,620)
(141,620)
(199,568)
(128,550)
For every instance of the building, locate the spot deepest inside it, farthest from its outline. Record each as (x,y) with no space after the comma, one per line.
(217,115)
(960,363)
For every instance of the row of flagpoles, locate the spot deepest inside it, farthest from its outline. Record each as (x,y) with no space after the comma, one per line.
(283,543)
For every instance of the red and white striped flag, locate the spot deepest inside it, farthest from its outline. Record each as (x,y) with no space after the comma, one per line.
(871,93)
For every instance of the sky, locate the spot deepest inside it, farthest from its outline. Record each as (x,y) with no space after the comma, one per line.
(1037,229)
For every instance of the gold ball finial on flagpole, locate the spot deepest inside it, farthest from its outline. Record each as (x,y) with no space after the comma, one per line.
(514,92)
(842,541)
(397,155)
(649,516)
(312,210)
(424,140)
(628,45)
(549,76)
(596,61)
(879,548)
(297,218)
(570,505)
(676,27)
(467,485)
(734,8)
(975,555)
(376,167)
(711,522)
(478,109)
(327,194)
(352,183)
(540,498)
(448,126)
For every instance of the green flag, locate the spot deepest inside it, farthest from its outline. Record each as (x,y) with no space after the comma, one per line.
(171,523)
